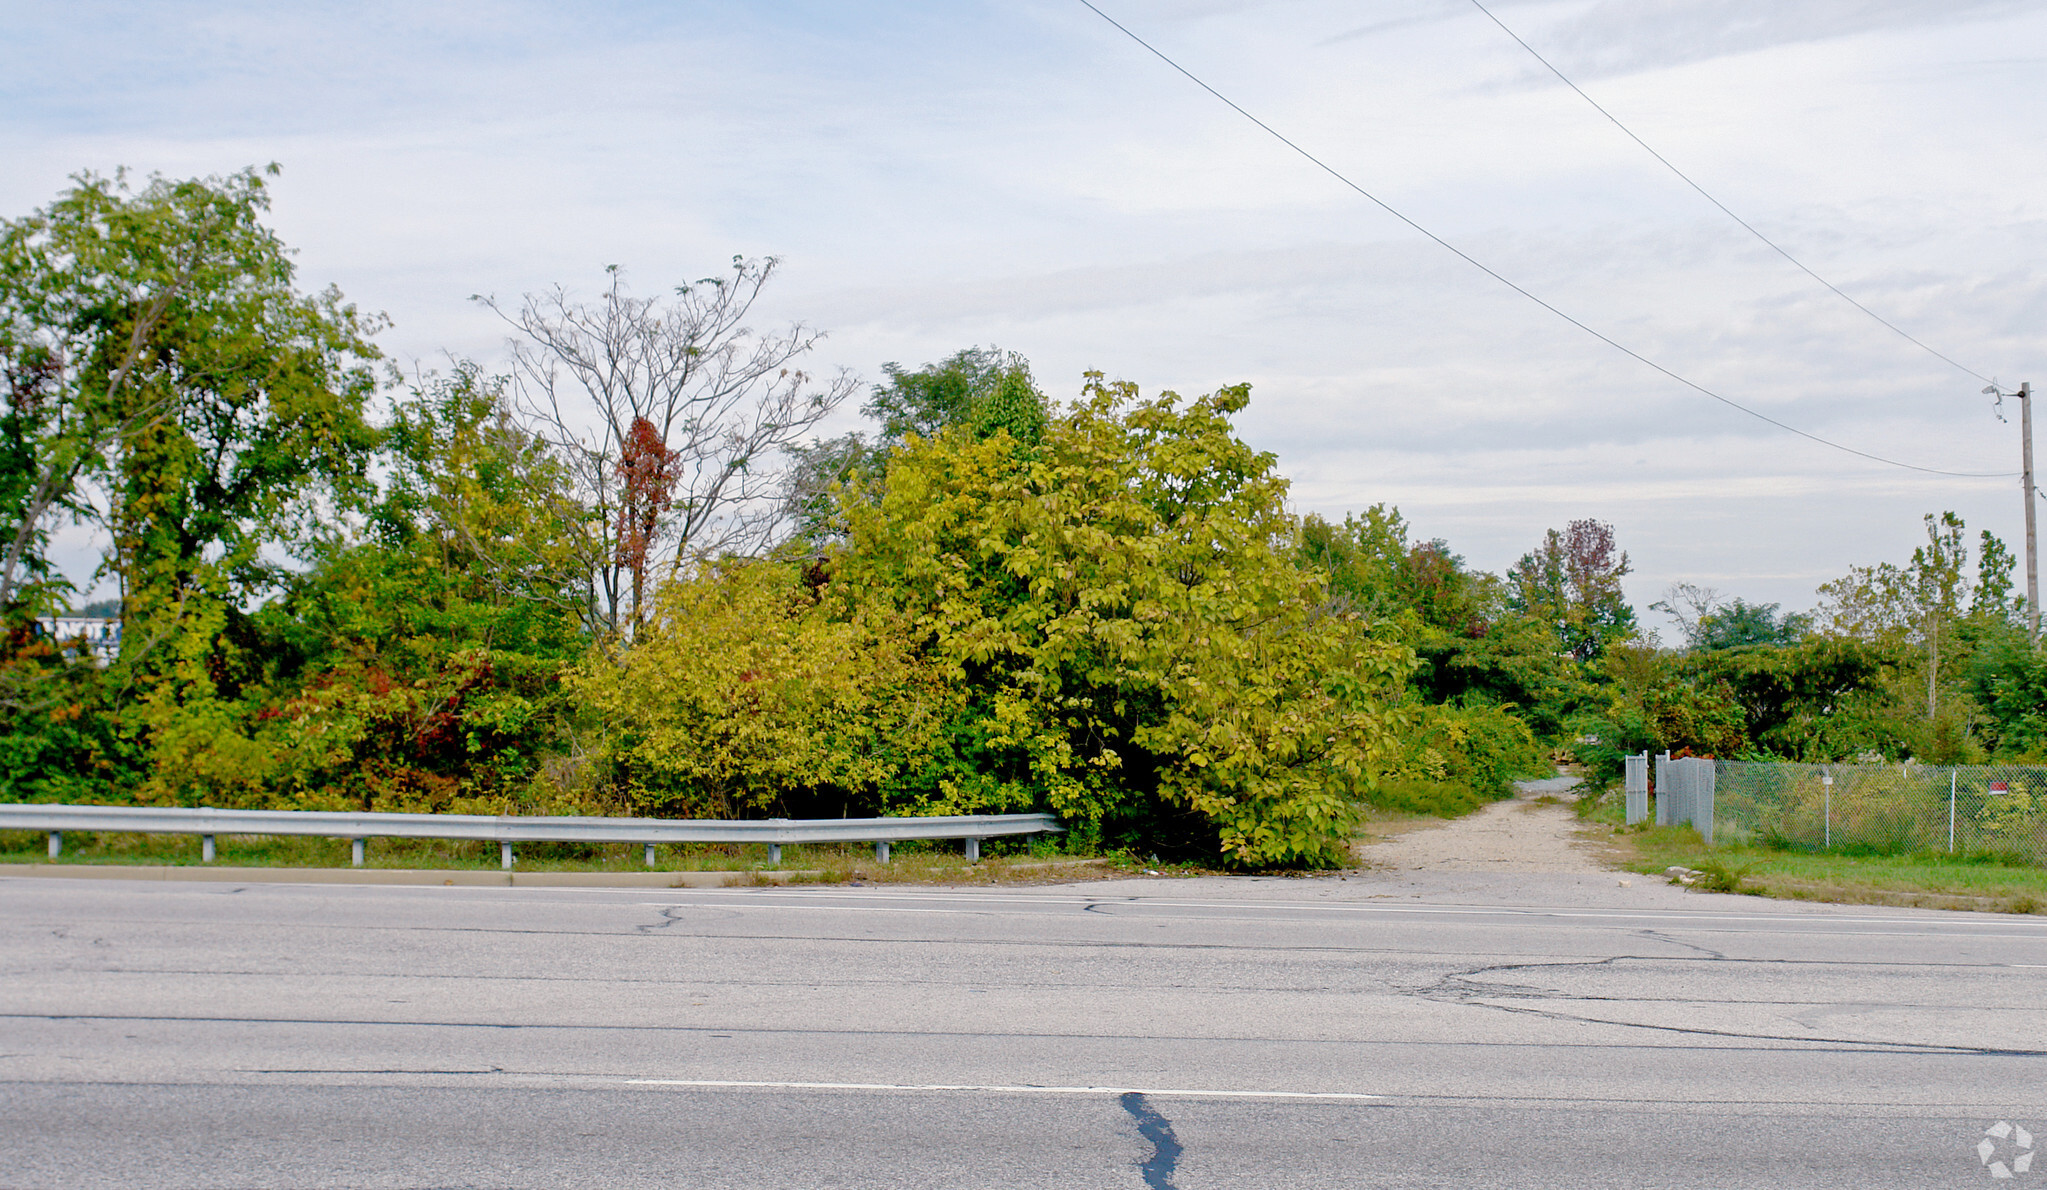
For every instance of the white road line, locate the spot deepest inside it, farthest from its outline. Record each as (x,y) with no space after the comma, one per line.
(1630,915)
(770,896)
(998,1089)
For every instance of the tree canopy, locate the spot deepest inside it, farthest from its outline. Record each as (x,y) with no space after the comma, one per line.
(635,573)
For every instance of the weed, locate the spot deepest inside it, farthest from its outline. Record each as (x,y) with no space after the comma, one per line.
(1714,876)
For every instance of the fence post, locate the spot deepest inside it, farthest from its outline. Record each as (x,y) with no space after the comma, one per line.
(1702,800)
(1827,794)
(1951,811)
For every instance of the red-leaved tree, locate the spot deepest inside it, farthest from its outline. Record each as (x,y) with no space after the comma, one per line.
(647,475)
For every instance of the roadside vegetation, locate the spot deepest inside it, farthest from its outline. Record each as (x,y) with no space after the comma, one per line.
(1934,880)
(630,574)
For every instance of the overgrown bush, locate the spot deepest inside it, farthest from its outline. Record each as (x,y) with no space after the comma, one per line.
(1106,625)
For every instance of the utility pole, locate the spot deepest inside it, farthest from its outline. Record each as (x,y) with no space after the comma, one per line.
(2032,541)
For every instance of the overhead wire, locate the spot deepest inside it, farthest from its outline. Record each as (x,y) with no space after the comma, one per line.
(1474,262)
(1688,180)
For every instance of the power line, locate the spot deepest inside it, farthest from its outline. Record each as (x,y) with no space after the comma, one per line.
(1631,353)
(1686,178)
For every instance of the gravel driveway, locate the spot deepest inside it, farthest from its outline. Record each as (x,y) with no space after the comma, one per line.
(1521,834)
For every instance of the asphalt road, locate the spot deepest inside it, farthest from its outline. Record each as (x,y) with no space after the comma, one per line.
(1193,1034)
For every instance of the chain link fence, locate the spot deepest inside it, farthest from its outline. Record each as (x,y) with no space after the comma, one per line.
(1968,809)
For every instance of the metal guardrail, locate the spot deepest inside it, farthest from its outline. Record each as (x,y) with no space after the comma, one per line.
(508,831)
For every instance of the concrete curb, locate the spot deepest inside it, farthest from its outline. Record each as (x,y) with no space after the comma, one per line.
(467,877)
(484,878)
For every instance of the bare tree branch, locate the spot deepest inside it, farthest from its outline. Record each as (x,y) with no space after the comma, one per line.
(726,402)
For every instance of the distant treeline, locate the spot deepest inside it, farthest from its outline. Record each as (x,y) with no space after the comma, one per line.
(629,576)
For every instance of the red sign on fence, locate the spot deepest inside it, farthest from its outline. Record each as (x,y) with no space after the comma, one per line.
(2000,787)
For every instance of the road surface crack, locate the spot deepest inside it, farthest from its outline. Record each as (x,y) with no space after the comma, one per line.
(1662,937)
(1477,988)
(668,918)
(1165,1147)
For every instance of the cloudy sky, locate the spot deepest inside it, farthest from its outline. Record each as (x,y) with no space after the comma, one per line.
(942,174)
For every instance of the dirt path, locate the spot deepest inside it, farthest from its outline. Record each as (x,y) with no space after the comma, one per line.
(1534,831)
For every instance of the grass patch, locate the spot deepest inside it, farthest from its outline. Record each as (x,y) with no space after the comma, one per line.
(1716,875)
(1934,880)
(1605,803)
(1017,858)
(1435,799)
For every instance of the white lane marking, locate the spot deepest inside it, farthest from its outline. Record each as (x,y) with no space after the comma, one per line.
(997,1089)
(765,896)
(842,908)
(1588,915)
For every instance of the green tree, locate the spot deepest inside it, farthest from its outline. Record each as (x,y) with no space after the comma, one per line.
(1110,625)
(1739,623)
(981,390)
(757,688)
(1821,698)
(254,394)
(1463,730)
(1376,571)
(1141,650)
(1928,603)
(168,380)
(1647,700)
(101,295)
(418,665)
(1572,583)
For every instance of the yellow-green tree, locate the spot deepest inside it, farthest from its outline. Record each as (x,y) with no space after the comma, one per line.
(754,688)
(1138,650)
(1107,623)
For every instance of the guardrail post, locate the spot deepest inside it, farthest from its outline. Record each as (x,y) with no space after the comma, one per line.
(208,824)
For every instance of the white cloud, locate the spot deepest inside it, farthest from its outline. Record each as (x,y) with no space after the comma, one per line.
(939,175)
